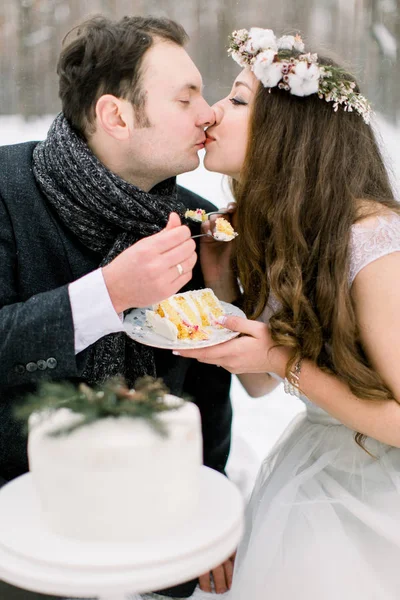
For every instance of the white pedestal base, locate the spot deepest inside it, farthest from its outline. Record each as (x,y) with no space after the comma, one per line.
(33,558)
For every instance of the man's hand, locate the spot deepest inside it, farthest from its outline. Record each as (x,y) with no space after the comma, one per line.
(221,577)
(147,272)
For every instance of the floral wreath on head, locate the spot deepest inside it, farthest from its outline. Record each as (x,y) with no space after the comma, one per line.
(272,63)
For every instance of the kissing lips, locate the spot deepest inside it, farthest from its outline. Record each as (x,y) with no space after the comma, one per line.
(201,144)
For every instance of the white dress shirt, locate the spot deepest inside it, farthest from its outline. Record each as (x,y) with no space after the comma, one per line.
(92,310)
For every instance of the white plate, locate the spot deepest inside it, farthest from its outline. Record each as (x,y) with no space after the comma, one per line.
(135,326)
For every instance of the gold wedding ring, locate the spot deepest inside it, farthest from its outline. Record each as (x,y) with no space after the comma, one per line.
(180,269)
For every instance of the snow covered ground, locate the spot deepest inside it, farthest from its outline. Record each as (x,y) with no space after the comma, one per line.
(257,422)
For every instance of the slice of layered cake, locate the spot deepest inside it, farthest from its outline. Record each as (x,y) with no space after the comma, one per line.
(187,316)
(196,215)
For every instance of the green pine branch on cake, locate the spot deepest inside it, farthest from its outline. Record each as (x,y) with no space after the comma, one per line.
(111,399)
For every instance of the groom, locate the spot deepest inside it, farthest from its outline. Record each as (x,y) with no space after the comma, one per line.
(86,230)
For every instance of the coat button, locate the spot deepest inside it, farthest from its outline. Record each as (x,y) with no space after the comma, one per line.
(41,365)
(19,369)
(51,362)
(31,367)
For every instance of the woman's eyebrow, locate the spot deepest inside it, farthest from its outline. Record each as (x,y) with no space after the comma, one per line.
(238,83)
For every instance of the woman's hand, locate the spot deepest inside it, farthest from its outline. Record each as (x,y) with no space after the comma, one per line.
(253,352)
(215,259)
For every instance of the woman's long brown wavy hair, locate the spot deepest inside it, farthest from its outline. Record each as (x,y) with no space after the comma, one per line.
(307,173)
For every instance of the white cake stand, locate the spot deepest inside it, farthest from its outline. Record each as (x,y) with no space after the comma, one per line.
(33,558)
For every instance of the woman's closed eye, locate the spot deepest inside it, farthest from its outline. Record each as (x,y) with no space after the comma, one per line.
(237,102)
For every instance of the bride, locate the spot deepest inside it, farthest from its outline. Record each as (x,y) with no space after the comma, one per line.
(318,261)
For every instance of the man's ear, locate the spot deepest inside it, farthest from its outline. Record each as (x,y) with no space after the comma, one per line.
(115,116)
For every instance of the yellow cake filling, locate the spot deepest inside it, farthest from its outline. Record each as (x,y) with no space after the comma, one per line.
(223,226)
(213,303)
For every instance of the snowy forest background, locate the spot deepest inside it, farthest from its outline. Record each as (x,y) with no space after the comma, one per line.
(366,33)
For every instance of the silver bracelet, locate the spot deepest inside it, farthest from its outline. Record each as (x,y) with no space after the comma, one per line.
(292,386)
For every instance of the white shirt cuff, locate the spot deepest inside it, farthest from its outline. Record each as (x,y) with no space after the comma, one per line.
(93,313)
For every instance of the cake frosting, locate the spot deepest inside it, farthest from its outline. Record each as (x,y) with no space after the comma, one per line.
(186,316)
(117,479)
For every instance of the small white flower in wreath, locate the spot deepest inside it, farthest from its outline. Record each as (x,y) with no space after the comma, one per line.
(238,58)
(241,35)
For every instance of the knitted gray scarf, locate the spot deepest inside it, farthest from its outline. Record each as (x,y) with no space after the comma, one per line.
(108,215)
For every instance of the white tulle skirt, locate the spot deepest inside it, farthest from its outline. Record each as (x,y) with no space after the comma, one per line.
(323,522)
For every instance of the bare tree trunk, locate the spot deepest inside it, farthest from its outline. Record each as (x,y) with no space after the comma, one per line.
(32,30)
(387,71)
(26,61)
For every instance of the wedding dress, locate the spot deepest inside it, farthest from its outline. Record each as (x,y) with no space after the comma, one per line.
(323,521)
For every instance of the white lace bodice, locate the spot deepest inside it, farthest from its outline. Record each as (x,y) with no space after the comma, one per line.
(370,239)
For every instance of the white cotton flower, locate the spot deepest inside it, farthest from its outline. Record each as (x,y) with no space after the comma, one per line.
(309,57)
(265,58)
(262,39)
(286,42)
(268,74)
(298,43)
(304,80)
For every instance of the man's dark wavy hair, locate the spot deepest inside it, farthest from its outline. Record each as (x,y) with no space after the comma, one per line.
(101,56)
